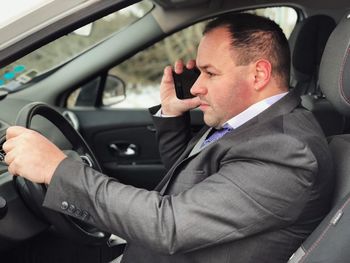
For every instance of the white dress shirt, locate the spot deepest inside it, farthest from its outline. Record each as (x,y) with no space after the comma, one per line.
(254,110)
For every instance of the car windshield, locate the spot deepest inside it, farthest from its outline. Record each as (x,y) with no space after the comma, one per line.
(58,52)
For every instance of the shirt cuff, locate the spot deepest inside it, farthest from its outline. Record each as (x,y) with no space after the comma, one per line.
(160,114)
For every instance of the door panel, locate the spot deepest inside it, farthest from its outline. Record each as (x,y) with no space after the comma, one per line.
(130,154)
(124,142)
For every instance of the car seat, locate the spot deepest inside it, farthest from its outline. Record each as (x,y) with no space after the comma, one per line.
(331,239)
(307,43)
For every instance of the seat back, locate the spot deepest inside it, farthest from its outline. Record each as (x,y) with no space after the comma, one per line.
(331,239)
(340,148)
(307,43)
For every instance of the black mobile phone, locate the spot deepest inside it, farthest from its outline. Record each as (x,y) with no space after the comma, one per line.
(184,81)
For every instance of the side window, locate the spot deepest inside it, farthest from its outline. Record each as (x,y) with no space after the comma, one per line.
(286,17)
(142,73)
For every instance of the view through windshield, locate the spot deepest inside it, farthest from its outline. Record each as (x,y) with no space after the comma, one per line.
(13,76)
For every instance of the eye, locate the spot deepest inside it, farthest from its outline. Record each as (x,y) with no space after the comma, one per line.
(210,74)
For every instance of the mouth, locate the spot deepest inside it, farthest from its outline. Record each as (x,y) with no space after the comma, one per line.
(203,106)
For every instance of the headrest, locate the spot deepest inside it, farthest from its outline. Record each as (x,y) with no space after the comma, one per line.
(307,43)
(334,75)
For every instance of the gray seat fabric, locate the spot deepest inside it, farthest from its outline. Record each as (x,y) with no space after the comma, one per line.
(307,43)
(331,240)
(331,121)
(340,147)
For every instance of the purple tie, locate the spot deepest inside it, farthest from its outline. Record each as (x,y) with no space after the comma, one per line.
(217,134)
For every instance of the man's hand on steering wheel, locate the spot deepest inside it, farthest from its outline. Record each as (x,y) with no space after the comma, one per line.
(30,155)
(34,158)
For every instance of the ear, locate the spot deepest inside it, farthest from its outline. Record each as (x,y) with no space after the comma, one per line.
(262,74)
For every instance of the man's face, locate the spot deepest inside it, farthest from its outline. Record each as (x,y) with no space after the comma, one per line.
(224,89)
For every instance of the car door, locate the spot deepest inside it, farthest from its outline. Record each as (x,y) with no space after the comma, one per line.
(124,142)
(113,115)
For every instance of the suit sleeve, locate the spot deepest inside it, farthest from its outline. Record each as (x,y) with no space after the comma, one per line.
(223,207)
(173,135)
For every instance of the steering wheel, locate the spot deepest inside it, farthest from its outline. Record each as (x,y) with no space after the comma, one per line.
(33,194)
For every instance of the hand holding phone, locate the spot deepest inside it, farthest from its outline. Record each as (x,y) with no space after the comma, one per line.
(184,81)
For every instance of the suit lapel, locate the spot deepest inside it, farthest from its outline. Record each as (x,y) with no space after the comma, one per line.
(287,104)
(184,156)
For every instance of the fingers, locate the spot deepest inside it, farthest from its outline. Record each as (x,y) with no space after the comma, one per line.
(10,156)
(167,75)
(9,160)
(191,64)
(14,131)
(7,146)
(192,102)
(178,68)
(179,65)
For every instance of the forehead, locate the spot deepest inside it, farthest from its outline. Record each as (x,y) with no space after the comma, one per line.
(215,45)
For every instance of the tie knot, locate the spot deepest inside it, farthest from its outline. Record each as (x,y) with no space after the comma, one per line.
(226,127)
(217,134)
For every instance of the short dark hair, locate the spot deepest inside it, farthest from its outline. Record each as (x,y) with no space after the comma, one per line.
(256,37)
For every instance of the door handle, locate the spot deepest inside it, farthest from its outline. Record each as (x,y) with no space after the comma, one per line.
(151,128)
(124,149)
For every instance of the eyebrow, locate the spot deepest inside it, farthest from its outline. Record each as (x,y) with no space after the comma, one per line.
(205,67)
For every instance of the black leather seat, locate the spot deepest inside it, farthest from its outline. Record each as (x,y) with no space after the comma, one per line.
(330,242)
(307,43)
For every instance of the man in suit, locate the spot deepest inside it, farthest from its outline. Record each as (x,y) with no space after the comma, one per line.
(250,195)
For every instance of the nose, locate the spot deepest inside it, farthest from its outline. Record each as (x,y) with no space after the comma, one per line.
(198,88)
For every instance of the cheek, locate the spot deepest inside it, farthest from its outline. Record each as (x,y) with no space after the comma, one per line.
(244,92)
(237,96)
(242,84)
(230,90)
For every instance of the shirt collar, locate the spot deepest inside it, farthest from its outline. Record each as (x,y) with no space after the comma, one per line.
(254,110)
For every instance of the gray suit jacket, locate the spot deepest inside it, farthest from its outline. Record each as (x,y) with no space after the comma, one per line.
(252,196)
